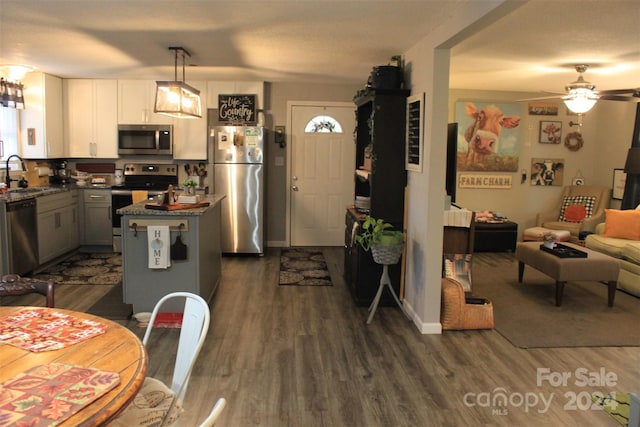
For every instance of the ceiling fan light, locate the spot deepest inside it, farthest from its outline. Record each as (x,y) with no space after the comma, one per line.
(580,100)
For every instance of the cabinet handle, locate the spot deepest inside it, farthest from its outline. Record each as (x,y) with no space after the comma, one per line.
(94,196)
(57,220)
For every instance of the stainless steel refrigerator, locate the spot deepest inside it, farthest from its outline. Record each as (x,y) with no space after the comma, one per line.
(237,156)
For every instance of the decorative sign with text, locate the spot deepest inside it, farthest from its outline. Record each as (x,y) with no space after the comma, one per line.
(240,108)
(481,180)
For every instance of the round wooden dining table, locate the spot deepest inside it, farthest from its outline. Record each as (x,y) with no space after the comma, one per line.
(117,350)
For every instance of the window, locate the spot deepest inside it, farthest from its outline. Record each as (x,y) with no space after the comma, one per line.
(323,124)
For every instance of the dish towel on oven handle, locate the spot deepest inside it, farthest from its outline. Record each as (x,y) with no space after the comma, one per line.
(159,241)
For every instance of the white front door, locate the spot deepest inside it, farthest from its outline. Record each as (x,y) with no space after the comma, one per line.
(321,175)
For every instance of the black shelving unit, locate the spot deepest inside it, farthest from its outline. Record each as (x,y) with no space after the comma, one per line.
(380,123)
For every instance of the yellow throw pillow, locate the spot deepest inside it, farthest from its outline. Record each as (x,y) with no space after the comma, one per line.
(622,224)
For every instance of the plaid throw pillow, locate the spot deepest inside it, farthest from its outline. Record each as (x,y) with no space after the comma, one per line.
(569,212)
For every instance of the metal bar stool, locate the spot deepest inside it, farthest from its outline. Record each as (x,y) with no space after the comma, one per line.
(13,285)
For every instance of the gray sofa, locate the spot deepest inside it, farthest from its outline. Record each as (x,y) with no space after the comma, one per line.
(626,251)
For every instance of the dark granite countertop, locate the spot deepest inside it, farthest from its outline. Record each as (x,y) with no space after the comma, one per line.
(17,194)
(140,209)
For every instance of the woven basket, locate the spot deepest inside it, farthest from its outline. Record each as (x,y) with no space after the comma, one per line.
(387,254)
(455,314)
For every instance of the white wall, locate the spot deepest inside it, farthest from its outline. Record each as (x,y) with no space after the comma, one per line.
(427,69)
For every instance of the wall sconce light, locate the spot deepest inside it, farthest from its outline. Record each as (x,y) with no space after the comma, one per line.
(176,98)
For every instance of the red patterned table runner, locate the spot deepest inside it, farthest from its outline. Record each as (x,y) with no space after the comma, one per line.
(44,329)
(49,394)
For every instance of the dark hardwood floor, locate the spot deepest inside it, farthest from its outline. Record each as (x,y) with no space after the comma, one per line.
(303,356)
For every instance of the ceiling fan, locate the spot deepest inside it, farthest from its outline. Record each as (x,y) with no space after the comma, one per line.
(582,95)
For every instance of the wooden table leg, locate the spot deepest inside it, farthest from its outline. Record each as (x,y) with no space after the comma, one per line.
(612,292)
(559,291)
(520,271)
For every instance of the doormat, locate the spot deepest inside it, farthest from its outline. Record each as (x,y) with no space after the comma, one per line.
(303,267)
(85,269)
(111,305)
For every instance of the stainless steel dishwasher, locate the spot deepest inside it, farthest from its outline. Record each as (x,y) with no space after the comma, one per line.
(23,235)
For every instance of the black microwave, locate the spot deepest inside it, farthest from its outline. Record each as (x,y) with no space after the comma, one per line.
(145,139)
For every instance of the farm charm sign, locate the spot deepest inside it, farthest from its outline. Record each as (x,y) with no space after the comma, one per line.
(483,180)
(237,108)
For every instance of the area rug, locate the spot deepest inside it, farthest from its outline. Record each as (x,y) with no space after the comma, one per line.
(86,269)
(163,320)
(615,404)
(303,267)
(111,305)
(526,314)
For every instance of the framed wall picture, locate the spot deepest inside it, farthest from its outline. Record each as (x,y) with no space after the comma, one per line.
(415,132)
(550,132)
(543,109)
(483,146)
(546,172)
(619,181)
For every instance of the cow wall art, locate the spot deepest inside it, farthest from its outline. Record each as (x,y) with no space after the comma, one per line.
(546,172)
(488,136)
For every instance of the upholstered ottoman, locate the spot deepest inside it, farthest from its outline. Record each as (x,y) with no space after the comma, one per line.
(534,234)
(595,267)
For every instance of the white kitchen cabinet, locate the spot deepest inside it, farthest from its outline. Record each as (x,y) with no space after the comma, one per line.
(190,135)
(136,100)
(41,120)
(58,225)
(91,118)
(96,218)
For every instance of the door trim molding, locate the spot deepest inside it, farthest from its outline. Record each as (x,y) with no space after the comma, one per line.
(290,106)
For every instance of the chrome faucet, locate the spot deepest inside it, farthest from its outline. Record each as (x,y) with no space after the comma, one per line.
(8,179)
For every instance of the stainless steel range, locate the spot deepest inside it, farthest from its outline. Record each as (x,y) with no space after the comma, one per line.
(154,178)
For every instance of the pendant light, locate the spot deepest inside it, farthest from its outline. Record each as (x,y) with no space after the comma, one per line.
(176,98)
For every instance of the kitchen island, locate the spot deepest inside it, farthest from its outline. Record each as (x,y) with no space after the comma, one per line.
(199,270)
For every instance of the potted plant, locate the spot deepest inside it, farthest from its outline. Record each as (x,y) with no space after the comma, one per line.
(549,240)
(385,244)
(190,186)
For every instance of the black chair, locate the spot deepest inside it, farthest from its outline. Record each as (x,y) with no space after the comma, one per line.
(13,285)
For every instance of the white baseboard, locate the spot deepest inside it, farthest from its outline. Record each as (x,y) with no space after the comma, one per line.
(425,328)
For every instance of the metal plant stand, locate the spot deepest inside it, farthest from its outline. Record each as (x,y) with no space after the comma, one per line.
(386,256)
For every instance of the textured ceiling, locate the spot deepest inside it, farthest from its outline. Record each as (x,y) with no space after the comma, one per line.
(530,49)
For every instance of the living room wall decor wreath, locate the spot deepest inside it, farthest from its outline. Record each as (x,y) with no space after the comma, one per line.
(573,141)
